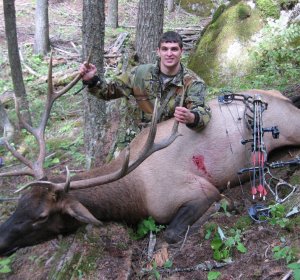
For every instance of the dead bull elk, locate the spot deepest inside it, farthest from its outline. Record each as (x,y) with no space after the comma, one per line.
(174,185)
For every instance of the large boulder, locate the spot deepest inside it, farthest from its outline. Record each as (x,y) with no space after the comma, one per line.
(222,51)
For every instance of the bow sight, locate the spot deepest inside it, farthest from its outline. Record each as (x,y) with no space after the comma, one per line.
(261,177)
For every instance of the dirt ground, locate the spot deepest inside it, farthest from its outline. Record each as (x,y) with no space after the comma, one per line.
(110,252)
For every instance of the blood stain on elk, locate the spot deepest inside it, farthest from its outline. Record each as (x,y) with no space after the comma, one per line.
(199,162)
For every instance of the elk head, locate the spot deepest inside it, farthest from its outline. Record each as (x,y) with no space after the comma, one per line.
(42,214)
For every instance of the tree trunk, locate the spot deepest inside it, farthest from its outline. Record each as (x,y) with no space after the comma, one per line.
(41,35)
(14,58)
(112,13)
(149,29)
(171,5)
(93,25)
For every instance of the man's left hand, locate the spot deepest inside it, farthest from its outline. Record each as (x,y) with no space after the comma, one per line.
(184,115)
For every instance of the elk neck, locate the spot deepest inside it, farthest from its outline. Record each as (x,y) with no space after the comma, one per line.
(121,200)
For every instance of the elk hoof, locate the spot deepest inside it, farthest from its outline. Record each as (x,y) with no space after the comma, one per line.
(171,236)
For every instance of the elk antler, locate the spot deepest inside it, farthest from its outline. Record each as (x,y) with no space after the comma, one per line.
(35,168)
(149,148)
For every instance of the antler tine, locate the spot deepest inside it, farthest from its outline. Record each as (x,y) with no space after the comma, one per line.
(152,147)
(74,81)
(64,186)
(52,94)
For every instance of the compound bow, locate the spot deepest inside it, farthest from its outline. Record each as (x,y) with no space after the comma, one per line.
(261,177)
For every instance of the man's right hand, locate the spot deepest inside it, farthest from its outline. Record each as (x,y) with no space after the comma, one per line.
(87,71)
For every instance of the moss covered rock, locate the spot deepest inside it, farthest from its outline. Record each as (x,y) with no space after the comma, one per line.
(201,8)
(223,49)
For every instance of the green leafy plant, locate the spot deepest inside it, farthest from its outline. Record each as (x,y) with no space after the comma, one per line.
(223,246)
(154,271)
(213,275)
(5,264)
(51,162)
(146,226)
(224,206)
(277,216)
(268,8)
(276,58)
(287,253)
(168,264)
(210,229)
(295,267)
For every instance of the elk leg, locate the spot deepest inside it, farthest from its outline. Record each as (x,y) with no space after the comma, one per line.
(188,214)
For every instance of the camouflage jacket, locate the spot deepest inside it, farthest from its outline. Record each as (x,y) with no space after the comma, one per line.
(144,82)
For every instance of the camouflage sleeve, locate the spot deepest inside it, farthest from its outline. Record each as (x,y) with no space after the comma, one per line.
(195,101)
(121,86)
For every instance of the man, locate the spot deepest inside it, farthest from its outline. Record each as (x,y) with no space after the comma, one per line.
(168,79)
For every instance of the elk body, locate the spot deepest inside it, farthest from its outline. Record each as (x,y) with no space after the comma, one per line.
(175,185)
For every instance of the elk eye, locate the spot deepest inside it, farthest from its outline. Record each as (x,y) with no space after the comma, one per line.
(42,218)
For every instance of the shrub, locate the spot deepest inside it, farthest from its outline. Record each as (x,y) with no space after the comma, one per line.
(268,8)
(276,58)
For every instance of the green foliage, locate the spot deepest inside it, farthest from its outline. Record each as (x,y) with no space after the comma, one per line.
(168,264)
(5,264)
(277,216)
(146,226)
(224,206)
(223,246)
(154,271)
(287,253)
(210,229)
(65,148)
(5,85)
(275,59)
(268,8)
(213,275)
(295,267)
(49,162)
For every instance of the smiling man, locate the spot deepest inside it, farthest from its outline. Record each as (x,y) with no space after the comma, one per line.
(168,79)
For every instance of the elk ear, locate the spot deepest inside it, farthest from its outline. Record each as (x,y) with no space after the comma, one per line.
(79,212)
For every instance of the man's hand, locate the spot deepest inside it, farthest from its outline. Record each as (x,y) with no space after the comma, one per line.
(87,71)
(184,115)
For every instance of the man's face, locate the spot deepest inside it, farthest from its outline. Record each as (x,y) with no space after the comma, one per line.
(170,55)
